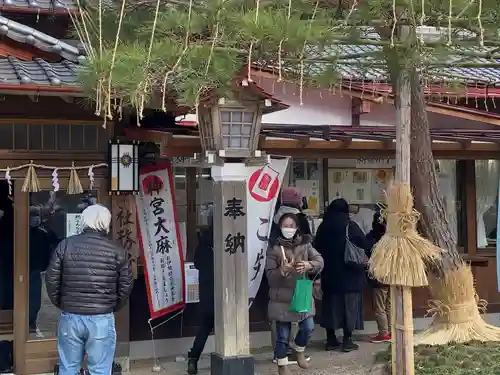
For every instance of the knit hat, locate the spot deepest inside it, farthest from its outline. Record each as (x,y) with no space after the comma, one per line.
(291,196)
(283,210)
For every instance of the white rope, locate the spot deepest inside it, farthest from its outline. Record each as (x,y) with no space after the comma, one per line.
(51,167)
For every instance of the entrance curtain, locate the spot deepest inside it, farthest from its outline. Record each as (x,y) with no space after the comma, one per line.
(486,195)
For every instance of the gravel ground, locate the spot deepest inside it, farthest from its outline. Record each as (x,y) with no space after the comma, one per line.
(323,363)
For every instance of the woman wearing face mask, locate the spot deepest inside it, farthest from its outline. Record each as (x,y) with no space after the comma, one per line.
(291,257)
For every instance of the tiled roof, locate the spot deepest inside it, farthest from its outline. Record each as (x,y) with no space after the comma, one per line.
(40,73)
(40,5)
(367,64)
(25,34)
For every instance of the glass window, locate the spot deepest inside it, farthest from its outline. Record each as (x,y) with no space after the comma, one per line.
(180,193)
(363,187)
(487,173)
(447,179)
(53,216)
(305,175)
(204,194)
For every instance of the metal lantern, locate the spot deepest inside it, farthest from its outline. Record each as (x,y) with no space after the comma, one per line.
(230,127)
(123,167)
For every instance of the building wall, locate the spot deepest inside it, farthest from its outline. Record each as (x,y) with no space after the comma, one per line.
(452,177)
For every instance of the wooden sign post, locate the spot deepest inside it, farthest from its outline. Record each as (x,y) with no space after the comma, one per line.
(125,226)
(401,299)
(232,343)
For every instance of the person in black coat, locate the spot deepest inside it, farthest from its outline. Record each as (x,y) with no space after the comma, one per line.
(342,285)
(204,262)
(381,292)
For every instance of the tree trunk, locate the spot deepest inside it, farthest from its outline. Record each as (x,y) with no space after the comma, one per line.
(428,200)
(455,306)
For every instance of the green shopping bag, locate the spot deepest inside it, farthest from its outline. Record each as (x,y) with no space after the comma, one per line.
(302,296)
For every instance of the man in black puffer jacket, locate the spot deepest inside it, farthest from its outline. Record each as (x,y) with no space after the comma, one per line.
(88,278)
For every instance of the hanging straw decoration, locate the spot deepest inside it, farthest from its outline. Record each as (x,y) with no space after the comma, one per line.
(179,59)
(31,182)
(456,311)
(74,184)
(301,92)
(91,177)
(8,178)
(55,180)
(400,257)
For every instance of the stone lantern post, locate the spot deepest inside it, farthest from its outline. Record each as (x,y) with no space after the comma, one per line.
(229,131)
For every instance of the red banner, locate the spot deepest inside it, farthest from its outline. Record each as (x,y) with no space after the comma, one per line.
(160,240)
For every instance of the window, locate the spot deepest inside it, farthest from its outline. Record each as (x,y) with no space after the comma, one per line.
(487,174)
(305,175)
(50,137)
(204,195)
(362,184)
(447,179)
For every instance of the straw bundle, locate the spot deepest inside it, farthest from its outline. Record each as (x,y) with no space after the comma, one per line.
(74,184)
(399,258)
(31,182)
(456,310)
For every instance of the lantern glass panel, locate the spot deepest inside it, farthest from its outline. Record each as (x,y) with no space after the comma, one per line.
(225,116)
(236,127)
(124,167)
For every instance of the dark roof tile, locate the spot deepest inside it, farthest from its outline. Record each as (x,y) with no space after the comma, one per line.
(37,72)
(25,34)
(50,5)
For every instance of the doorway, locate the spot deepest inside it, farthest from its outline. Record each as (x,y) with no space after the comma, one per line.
(6,261)
(42,219)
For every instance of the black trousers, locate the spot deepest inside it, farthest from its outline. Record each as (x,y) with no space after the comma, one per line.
(206,327)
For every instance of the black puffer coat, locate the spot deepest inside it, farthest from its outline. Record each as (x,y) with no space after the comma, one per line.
(204,263)
(88,275)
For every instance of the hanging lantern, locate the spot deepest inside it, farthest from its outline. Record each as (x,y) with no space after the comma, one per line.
(123,167)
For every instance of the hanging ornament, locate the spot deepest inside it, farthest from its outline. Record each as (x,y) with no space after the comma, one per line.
(91,177)
(31,183)
(74,185)
(8,178)
(55,180)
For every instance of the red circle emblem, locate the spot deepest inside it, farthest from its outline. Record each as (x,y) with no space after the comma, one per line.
(152,184)
(263,186)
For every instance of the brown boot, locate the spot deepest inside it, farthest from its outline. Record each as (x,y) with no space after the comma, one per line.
(301,358)
(283,370)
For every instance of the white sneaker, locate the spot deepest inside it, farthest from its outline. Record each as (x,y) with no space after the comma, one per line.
(275,361)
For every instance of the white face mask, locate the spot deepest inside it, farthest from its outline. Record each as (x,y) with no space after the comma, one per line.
(288,232)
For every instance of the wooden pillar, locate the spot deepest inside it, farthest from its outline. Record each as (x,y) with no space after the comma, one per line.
(191,214)
(232,345)
(326,193)
(402,310)
(470,207)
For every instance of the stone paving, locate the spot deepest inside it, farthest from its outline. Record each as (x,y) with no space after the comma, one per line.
(359,362)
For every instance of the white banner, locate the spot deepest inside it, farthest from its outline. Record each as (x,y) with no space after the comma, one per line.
(160,240)
(264,184)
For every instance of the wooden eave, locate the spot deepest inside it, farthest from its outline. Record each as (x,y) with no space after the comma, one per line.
(185,142)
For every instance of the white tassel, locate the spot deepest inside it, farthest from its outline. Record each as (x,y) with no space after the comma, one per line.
(55,180)
(91,177)
(9,180)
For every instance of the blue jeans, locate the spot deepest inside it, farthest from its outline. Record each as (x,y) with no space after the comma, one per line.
(93,335)
(306,328)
